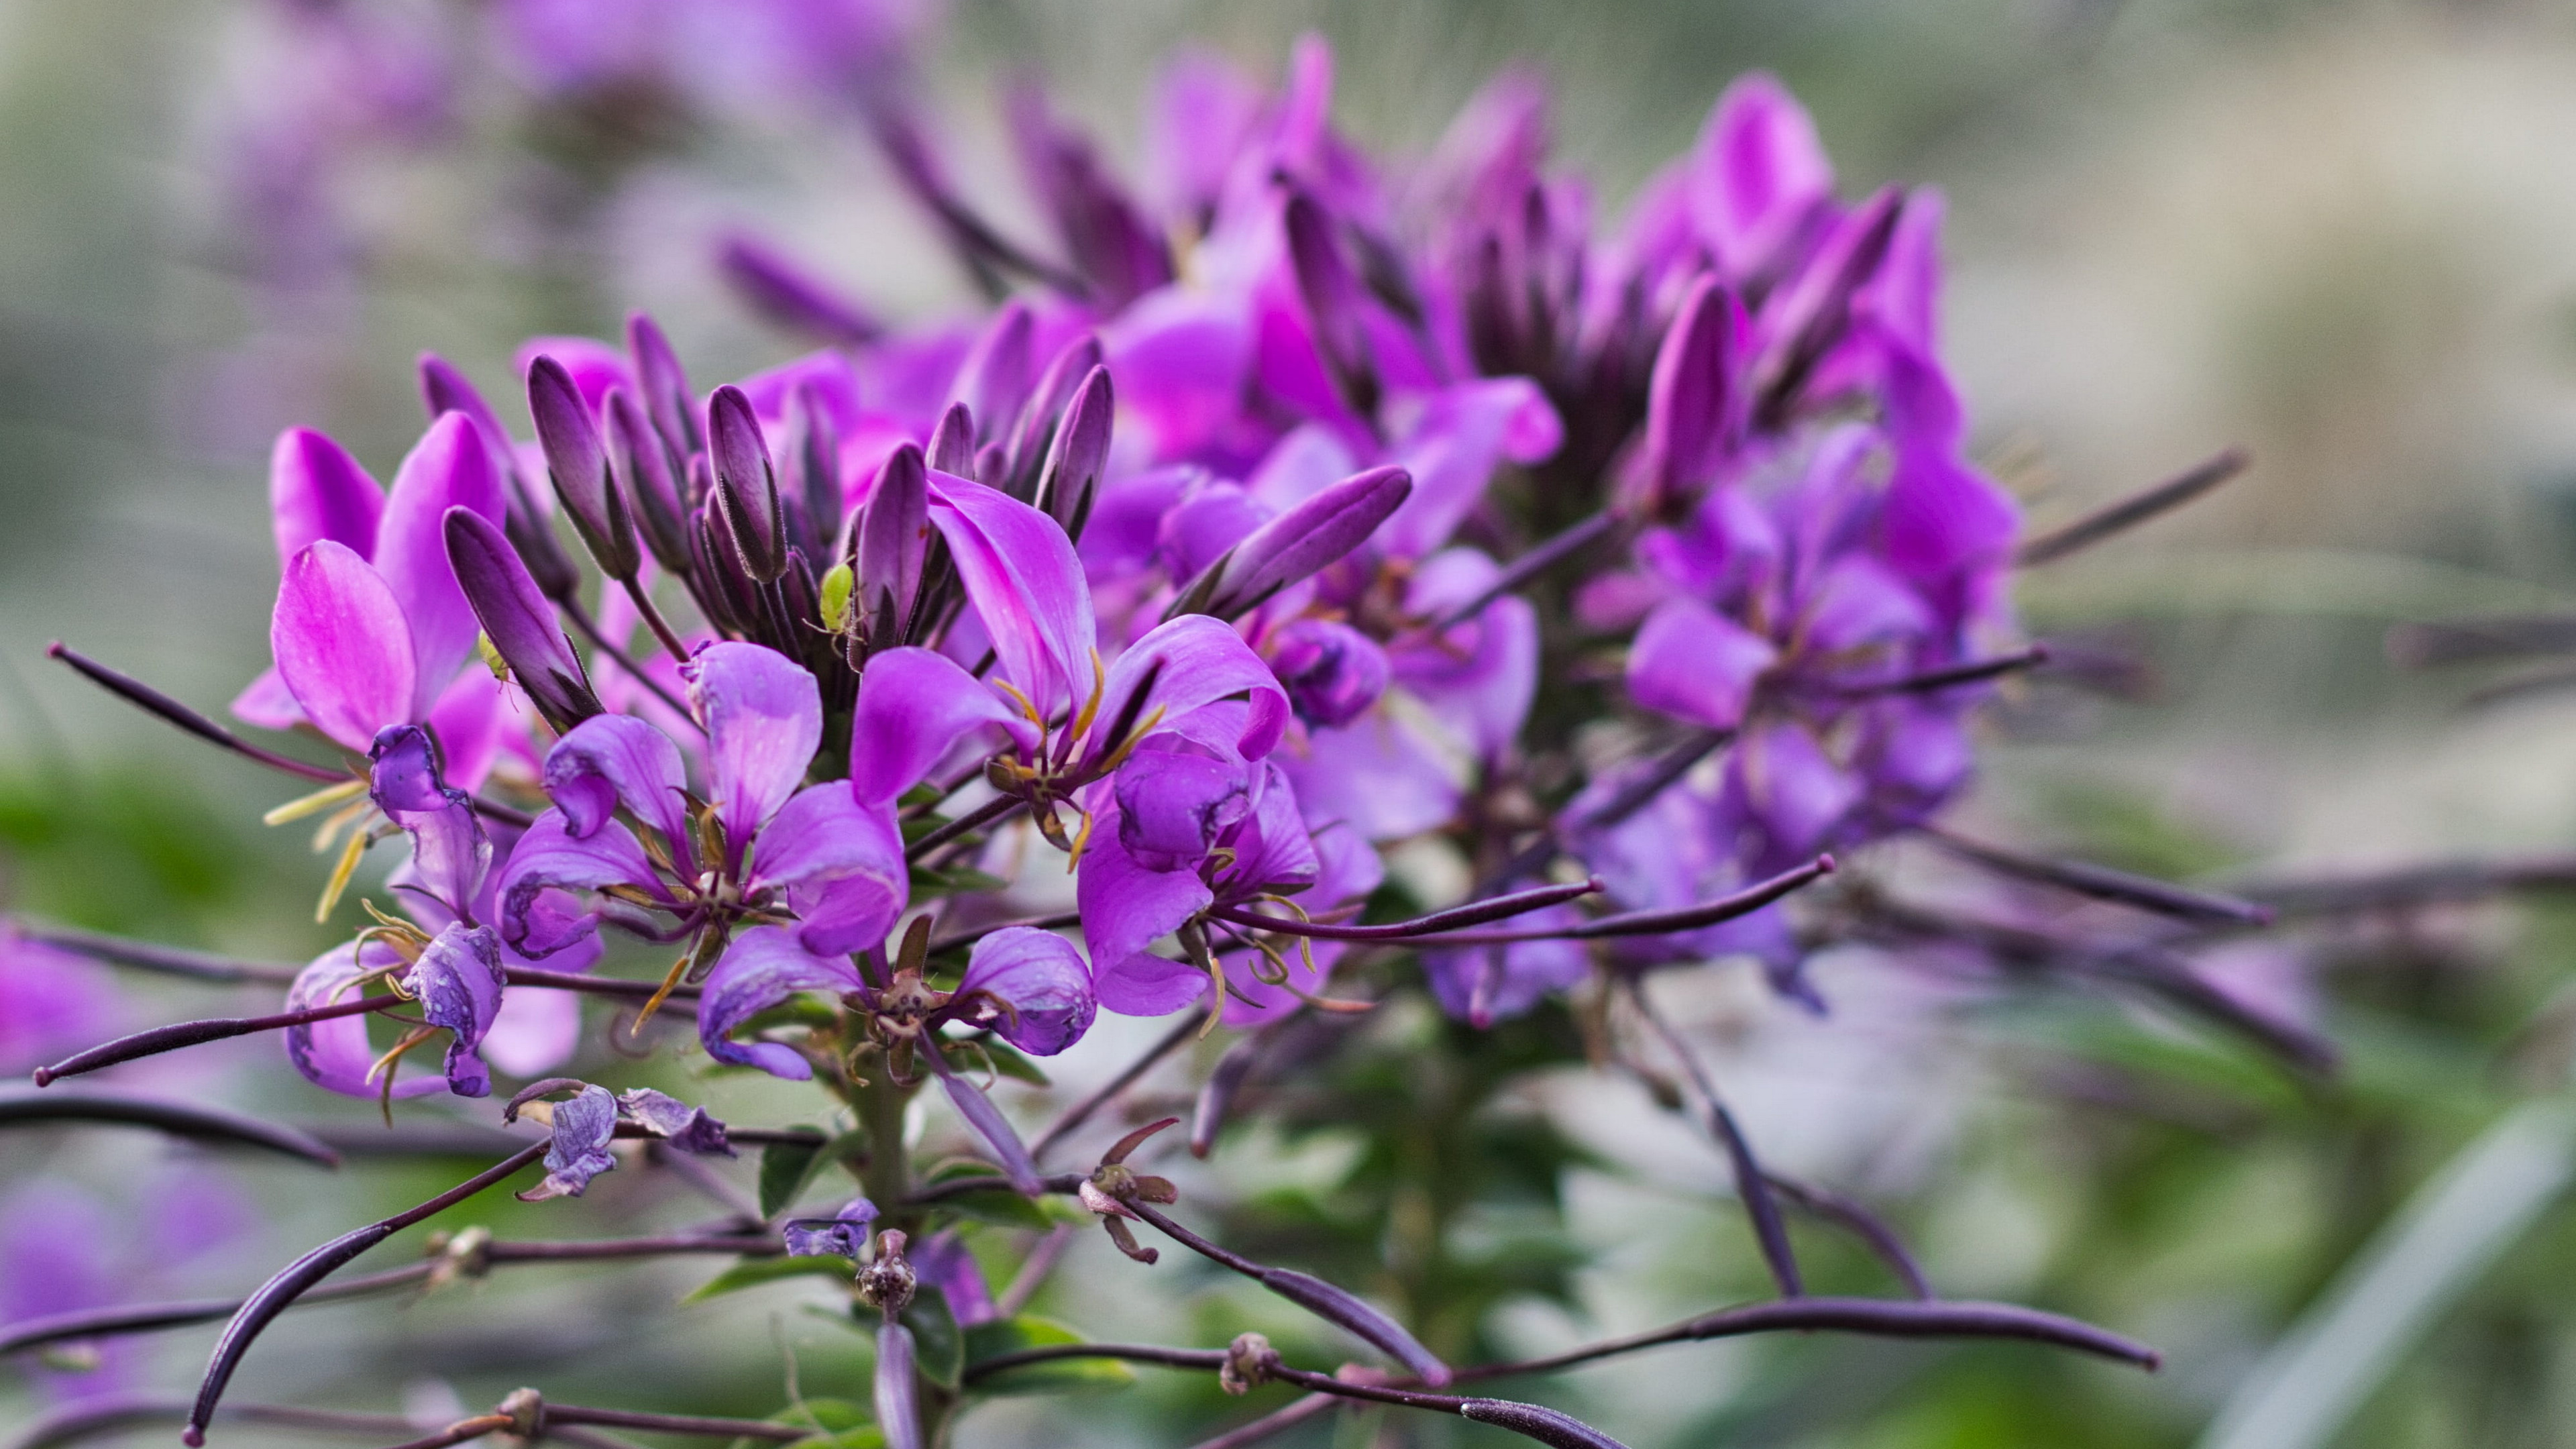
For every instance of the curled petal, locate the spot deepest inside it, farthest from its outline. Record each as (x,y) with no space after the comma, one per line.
(342,644)
(458,982)
(844,1233)
(1043,980)
(578,1150)
(550,860)
(611,760)
(764,716)
(687,1128)
(826,849)
(763,967)
(1194,661)
(449,850)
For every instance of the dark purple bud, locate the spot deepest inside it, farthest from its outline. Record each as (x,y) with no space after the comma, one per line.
(1071,477)
(687,1128)
(578,1150)
(1105,233)
(641,467)
(991,460)
(1333,673)
(1032,440)
(746,488)
(1815,310)
(732,599)
(449,391)
(788,295)
(994,379)
(898,1416)
(1305,539)
(666,387)
(1532,1421)
(952,443)
(1333,300)
(814,457)
(894,538)
(1326,1301)
(578,463)
(518,620)
(1694,403)
(843,1233)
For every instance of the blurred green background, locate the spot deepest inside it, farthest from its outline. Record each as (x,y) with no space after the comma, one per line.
(2343,235)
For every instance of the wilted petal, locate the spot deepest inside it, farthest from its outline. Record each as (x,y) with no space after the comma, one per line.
(841,864)
(761,968)
(1694,663)
(549,860)
(687,1128)
(914,706)
(342,645)
(614,759)
(578,1149)
(317,491)
(764,716)
(458,983)
(449,850)
(334,1054)
(449,468)
(1042,978)
(844,1233)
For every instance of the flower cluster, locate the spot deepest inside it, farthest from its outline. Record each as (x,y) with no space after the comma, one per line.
(1301,519)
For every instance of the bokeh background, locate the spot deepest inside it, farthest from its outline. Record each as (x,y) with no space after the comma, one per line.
(2342,235)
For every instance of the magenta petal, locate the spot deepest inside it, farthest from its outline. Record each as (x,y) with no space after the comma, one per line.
(840,862)
(1463,435)
(342,645)
(469,720)
(449,468)
(334,1054)
(1201,660)
(1695,404)
(1043,979)
(1126,907)
(1859,602)
(1481,676)
(536,917)
(914,705)
(610,760)
(764,716)
(763,967)
(1758,176)
(317,491)
(268,703)
(1694,663)
(1026,582)
(1789,787)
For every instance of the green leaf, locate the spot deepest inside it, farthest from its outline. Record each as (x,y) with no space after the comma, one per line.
(938,1350)
(752,1272)
(1001,1206)
(786,1168)
(1010,1335)
(838,1424)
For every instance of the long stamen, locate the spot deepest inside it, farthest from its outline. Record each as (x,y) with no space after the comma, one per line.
(315,803)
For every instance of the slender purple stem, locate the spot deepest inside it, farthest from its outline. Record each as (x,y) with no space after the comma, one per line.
(1861,1223)
(165,960)
(1539,559)
(2144,892)
(1751,1184)
(1974,671)
(1657,923)
(201,1121)
(196,1033)
(1474,913)
(145,697)
(2135,509)
(991,811)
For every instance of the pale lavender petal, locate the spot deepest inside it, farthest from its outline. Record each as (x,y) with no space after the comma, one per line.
(914,706)
(536,1031)
(764,716)
(342,645)
(614,759)
(841,864)
(991,1125)
(1481,676)
(52,1002)
(762,968)
(896,1395)
(317,491)
(1376,775)
(1692,662)
(1485,984)
(268,703)
(1042,978)
(577,1150)
(449,468)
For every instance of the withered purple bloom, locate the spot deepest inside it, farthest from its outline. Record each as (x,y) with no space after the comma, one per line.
(844,1233)
(577,1150)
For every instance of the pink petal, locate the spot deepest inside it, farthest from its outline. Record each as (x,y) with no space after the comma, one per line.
(1694,663)
(449,468)
(764,716)
(317,491)
(342,645)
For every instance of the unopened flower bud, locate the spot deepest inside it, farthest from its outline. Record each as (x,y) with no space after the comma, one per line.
(578,463)
(1247,1365)
(746,488)
(886,1283)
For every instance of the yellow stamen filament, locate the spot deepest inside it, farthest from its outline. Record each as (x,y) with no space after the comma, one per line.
(340,820)
(340,873)
(315,803)
(670,984)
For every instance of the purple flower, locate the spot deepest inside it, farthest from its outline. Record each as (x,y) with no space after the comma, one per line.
(52,1002)
(458,982)
(334,1054)
(942,1261)
(577,1149)
(687,1128)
